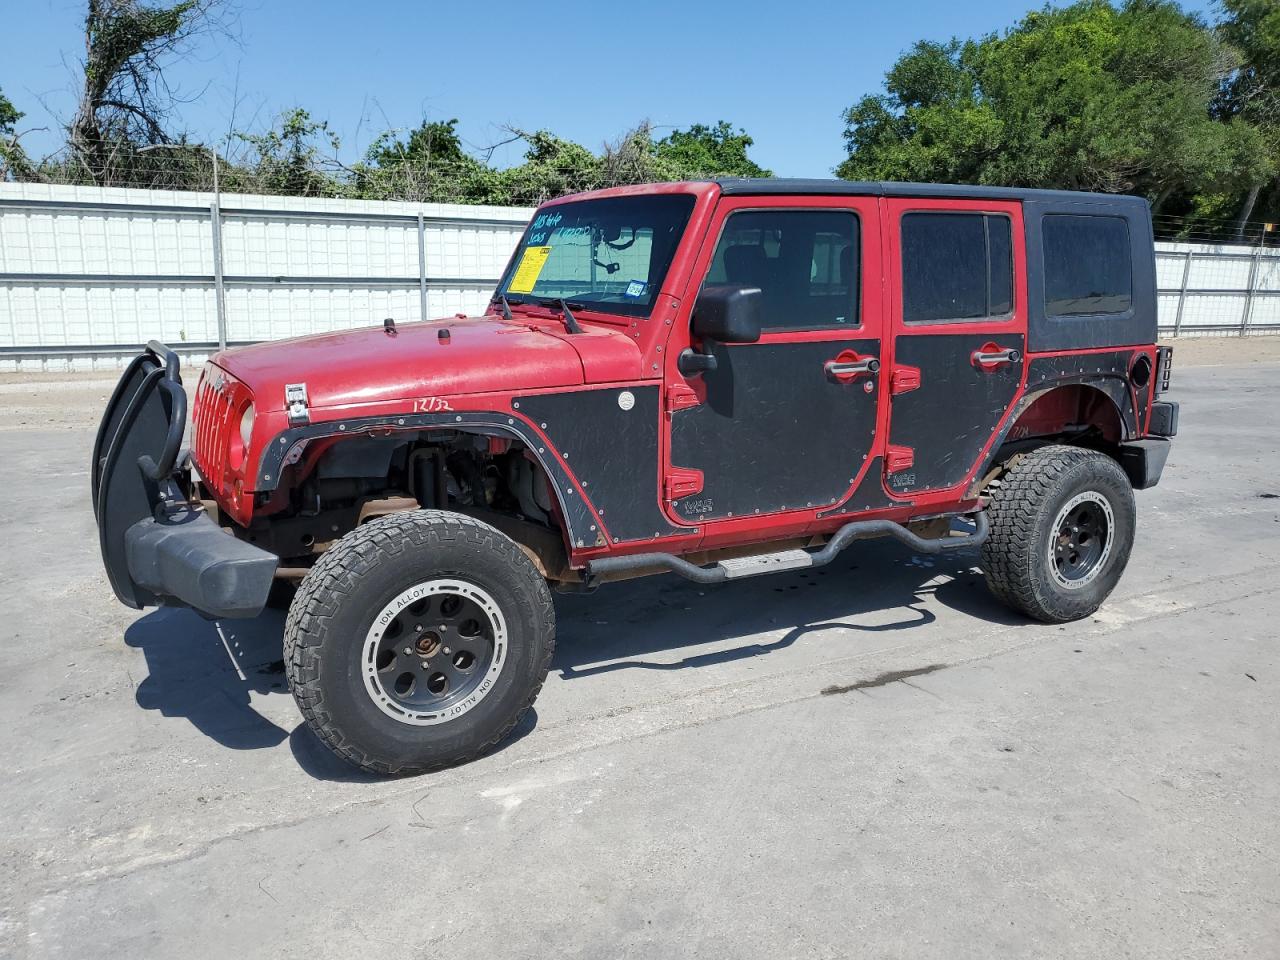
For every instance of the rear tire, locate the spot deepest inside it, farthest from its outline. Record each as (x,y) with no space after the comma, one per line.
(418,641)
(1062,526)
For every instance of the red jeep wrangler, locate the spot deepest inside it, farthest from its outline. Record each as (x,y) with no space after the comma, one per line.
(718,379)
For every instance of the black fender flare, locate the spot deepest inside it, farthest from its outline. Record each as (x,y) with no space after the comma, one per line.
(582,527)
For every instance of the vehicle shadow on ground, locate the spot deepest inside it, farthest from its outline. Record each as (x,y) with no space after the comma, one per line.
(191,675)
(875,588)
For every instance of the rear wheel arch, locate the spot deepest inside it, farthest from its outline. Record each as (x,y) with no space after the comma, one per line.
(1050,412)
(1071,414)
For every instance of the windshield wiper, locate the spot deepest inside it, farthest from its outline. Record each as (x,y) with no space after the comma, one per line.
(570,322)
(506,307)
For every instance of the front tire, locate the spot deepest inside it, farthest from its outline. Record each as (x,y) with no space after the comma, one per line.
(1062,526)
(418,641)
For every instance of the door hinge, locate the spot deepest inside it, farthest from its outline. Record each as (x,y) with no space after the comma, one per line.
(681,482)
(904,380)
(899,458)
(680,397)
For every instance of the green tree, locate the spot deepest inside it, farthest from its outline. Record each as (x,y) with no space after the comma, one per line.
(431,164)
(287,159)
(124,100)
(1084,97)
(1252,93)
(14,162)
(701,150)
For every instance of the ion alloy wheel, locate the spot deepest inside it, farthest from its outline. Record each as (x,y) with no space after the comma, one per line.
(1081,542)
(418,641)
(434,652)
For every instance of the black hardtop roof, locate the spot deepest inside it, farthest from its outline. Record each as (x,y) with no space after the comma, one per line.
(764,186)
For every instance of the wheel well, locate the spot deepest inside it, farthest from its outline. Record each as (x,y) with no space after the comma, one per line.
(343,482)
(1073,409)
(1075,414)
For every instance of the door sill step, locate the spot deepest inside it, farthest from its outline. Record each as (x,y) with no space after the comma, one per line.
(765,563)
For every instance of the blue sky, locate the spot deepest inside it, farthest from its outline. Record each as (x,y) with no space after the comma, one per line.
(587,71)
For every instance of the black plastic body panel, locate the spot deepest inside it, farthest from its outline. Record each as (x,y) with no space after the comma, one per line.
(775,433)
(145,412)
(1143,461)
(1134,327)
(185,555)
(577,514)
(608,439)
(1108,372)
(1164,419)
(951,417)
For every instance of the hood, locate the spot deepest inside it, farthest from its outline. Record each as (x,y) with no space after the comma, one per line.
(480,355)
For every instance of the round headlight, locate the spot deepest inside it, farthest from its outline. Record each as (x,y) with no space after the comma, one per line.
(246,426)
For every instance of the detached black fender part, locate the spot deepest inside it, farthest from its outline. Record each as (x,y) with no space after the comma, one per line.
(1143,461)
(185,555)
(156,548)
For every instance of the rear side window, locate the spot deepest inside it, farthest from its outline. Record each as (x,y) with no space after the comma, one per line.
(805,262)
(956,266)
(1088,268)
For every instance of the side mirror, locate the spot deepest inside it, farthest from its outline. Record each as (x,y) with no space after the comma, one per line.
(729,314)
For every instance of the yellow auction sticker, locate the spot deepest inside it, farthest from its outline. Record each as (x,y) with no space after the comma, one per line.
(531,264)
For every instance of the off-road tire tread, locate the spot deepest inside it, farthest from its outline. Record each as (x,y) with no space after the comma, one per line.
(1012,512)
(333,579)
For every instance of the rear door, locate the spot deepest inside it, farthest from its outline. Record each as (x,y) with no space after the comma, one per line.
(958,327)
(787,424)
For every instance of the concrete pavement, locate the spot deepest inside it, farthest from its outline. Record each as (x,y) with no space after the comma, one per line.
(874,759)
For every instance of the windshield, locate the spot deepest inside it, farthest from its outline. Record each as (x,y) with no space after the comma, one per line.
(610,255)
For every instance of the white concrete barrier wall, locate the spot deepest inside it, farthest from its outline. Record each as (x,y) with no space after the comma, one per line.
(88,274)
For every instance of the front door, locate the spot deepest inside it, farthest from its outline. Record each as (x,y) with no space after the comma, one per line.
(959,327)
(787,423)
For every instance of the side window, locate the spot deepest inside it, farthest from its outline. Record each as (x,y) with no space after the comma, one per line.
(807,263)
(1088,267)
(956,266)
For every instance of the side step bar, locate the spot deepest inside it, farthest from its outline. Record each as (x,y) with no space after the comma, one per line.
(789,559)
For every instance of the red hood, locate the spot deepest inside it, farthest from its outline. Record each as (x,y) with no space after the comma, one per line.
(481,355)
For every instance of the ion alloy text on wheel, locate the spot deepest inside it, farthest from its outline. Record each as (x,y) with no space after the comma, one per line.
(1081,542)
(434,652)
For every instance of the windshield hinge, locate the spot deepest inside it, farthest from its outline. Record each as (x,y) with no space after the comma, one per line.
(681,397)
(295,401)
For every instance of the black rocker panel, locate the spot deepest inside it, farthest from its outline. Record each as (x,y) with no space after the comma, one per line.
(775,432)
(608,439)
(955,411)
